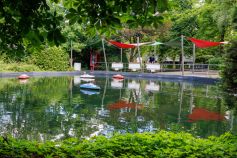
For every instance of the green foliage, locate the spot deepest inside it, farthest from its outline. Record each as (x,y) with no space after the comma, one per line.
(24,25)
(75,36)
(234,18)
(107,13)
(229,73)
(215,63)
(52,58)
(31,20)
(17,67)
(215,60)
(162,144)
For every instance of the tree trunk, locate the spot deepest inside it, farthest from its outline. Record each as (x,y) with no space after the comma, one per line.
(173,63)
(222,39)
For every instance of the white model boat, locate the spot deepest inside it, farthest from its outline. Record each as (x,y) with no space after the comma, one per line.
(87,79)
(87,76)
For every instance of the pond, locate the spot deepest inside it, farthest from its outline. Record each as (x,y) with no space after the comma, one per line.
(55,108)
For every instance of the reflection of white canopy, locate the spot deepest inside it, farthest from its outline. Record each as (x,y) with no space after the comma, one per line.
(133,85)
(77,80)
(87,79)
(116,84)
(152,87)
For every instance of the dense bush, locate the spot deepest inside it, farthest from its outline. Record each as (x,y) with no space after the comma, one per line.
(162,144)
(215,63)
(52,59)
(229,74)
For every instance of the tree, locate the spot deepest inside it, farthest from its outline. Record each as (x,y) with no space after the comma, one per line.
(222,17)
(107,13)
(31,20)
(106,18)
(25,25)
(230,69)
(209,20)
(183,19)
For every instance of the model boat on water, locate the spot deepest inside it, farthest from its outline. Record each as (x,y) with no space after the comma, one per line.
(118,76)
(87,76)
(23,77)
(90,86)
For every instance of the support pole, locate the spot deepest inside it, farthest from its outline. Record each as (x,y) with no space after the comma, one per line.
(106,66)
(71,55)
(182,52)
(121,51)
(194,58)
(155,49)
(138,49)
(181,101)
(103,96)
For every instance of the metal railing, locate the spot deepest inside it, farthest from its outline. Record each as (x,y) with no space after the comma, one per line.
(208,68)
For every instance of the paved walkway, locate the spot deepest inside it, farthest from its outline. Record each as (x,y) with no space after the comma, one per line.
(210,74)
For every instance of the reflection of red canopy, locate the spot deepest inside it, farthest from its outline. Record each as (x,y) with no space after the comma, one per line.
(204,44)
(121,45)
(203,114)
(124,104)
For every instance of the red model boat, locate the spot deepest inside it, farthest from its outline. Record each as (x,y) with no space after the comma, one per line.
(118,76)
(23,76)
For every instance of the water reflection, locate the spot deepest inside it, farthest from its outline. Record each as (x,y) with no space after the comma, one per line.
(55,108)
(152,86)
(115,83)
(77,80)
(198,114)
(90,92)
(134,85)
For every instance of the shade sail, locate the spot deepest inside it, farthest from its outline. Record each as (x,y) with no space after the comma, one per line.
(141,44)
(205,115)
(156,43)
(121,45)
(204,44)
(124,45)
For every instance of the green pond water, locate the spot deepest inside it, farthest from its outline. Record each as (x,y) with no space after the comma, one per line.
(54,108)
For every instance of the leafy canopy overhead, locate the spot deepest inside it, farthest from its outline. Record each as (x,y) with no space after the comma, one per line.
(32,20)
(36,21)
(104,13)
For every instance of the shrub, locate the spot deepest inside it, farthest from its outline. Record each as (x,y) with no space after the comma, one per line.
(52,59)
(162,144)
(215,63)
(17,67)
(229,74)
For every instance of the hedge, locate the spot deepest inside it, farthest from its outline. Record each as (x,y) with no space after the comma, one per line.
(51,59)
(161,144)
(18,67)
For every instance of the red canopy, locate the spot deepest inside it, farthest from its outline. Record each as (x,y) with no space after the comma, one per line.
(204,44)
(204,114)
(121,45)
